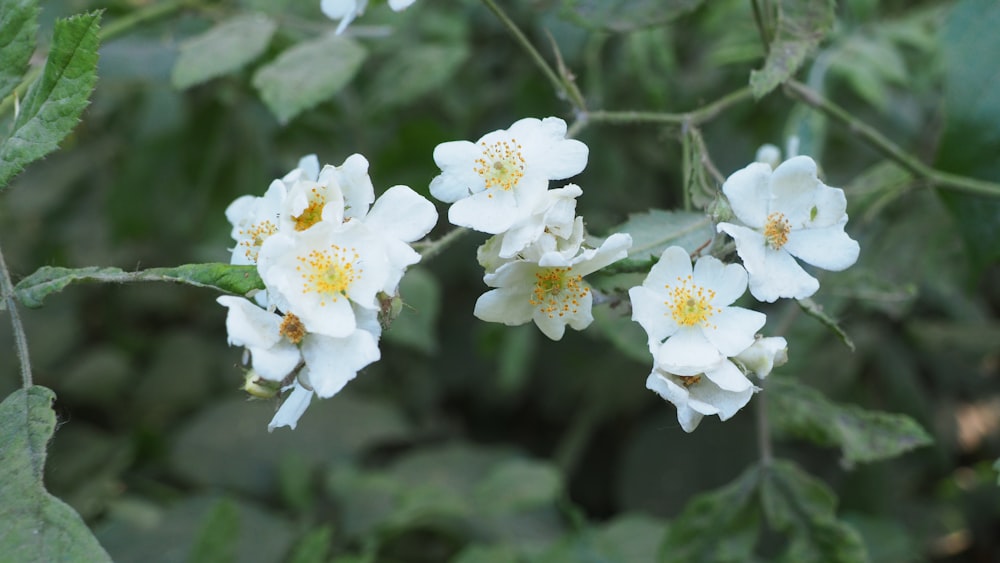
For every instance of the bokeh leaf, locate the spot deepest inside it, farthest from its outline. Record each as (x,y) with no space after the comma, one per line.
(216,542)
(863,435)
(18,26)
(627,15)
(53,104)
(801,25)
(239,280)
(414,72)
(971,140)
(655,230)
(720,525)
(223,49)
(804,506)
(36,525)
(416,325)
(307,74)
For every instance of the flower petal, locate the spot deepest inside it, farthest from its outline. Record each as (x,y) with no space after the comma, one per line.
(728,377)
(733,329)
(402,213)
(458,178)
(729,281)
(674,264)
(781,276)
(687,352)
(333,362)
(649,310)
(829,248)
(504,306)
(292,408)
(749,193)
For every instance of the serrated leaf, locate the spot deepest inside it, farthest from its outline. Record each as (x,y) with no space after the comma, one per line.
(721,525)
(238,280)
(971,140)
(216,542)
(225,48)
(627,15)
(804,506)
(18,27)
(36,525)
(53,104)
(801,25)
(863,435)
(655,230)
(417,71)
(308,74)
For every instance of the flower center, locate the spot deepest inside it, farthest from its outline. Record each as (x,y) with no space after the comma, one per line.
(328,272)
(688,381)
(557,292)
(501,164)
(292,328)
(690,304)
(255,236)
(313,212)
(776,230)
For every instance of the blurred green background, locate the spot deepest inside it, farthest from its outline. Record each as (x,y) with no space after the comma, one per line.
(479,442)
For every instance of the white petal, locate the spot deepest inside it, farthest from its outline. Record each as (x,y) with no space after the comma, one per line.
(729,281)
(333,362)
(309,165)
(613,249)
(687,352)
(458,178)
(400,5)
(402,213)
(291,408)
(781,276)
(649,310)
(796,188)
(724,403)
(829,248)
(749,194)
(733,329)
(728,377)
(749,245)
(678,395)
(492,211)
(337,9)
(764,355)
(504,306)
(674,264)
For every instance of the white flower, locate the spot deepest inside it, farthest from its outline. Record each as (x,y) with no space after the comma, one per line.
(265,335)
(553,217)
(399,216)
(334,194)
(686,313)
(721,391)
(551,292)
(789,213)
(343,10)
(497,181)
(254,219)
(764,355)
(292,408)
(319,272)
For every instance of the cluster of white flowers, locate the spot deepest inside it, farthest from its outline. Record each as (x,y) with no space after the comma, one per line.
(329,254)
(347,10)
(703,348)
(536,259)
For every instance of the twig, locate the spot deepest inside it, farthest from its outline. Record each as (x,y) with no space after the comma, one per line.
(690,118)
(431,249)
(20,339)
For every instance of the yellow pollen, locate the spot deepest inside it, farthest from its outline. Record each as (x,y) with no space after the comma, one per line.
(255,236)
(313,212)
(691,304)
(292,328)
(501,164)
(776,230)
(558,292)
(329,272)
(690,380)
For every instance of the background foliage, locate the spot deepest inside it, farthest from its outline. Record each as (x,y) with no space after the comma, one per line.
(476,442)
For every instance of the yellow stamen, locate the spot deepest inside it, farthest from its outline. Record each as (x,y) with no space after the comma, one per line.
(691,304)
(558,292)
(776,230)
(292,328)
(255,235)
(501,164)
(313,213)
(688,381)
(329,272)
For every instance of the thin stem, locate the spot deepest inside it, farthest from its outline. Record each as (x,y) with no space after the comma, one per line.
(693,117)
(882,144)
(758,18)
(21,341)
(113,29)
(763,429)
(431,249)
(558,83)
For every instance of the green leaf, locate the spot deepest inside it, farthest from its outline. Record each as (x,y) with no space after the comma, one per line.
(802,24)
(971,140)
(218,535)
(416,325)
(627,15)
(721,525)
(53,104)
(862,435)
(815,311)
(18,27)
(314,547)
(223,49)
(517,485)
(800,504)
(653,231)
(36,525)
(307,74)
(239,280)
(415,72)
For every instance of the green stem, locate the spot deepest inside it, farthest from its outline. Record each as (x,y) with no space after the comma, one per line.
(431,249)
(561,85)
(111,30)
(891,150)
(693,117)
(20,339)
